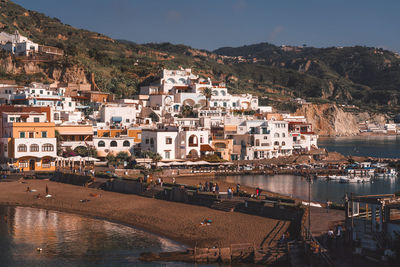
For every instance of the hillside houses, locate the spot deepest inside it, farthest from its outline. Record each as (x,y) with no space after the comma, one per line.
(180,117)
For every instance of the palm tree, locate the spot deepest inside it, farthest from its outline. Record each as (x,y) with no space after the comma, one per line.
(207,93)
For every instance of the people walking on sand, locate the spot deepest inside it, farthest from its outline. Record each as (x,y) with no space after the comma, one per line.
(237,189)
(257,192)
(161,182)
(206,186)
(328,205)
(200,187)
(229,192)
(47,190)
(217,188)
(28,189)
(173,180)
(213,189)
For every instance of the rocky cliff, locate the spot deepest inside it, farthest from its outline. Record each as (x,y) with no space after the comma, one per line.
(331,120)
(42,71)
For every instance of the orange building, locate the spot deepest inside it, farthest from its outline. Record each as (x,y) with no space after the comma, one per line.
(28,141)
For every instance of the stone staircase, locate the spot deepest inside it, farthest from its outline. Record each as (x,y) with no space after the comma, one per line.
(226,205)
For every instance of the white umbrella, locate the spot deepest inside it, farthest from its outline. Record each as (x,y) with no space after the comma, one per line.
(90,159)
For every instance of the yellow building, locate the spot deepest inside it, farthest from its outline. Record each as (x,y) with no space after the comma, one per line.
(28,141)
(224,148)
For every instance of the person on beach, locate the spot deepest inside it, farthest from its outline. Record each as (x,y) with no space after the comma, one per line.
(173,180)
(217,188)
(237,189)
(328,204)
(213,189)
(47,190)
(229,192)
(206,186)
(28,189)
(257,192)
(200,187)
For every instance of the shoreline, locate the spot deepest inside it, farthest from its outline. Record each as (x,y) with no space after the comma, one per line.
(92,216)
(175,221)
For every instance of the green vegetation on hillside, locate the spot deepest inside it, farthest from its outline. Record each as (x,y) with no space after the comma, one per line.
(366,77)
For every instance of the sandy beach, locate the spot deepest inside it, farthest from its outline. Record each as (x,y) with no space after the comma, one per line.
(177,221)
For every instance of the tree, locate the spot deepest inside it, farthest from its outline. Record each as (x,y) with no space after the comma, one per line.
(154,117)
(207,93)
(111,159)
(122,157)
(58,140)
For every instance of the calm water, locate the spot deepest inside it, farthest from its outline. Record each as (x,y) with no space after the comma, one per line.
(321,190)
(73,240)
(375,146)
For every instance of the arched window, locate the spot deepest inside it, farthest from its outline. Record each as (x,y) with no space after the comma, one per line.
(215,92)
(101,144)
(283,135)
(276,143)
(181,80)
(47,147)
(126,143)
(113,144)
(223,93)
(283,143)
(193,141)
(22,148)
(151,141)
(276,135)
(34,148)
(171,80)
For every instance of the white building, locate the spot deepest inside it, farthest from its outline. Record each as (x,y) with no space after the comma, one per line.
(121,114)
(18,44)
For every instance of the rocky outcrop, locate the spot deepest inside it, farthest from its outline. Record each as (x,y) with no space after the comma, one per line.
(331,120)
(52,70)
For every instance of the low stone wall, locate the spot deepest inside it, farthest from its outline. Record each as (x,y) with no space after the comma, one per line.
(124,186)
(70,178)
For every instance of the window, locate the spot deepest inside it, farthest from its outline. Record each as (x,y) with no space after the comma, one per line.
(126,144)
(283,143)
(113,144)
(12,118)
(201,139)
(56,116)
(46,163)
(31,135)
(41,92)
(168,140)
(167,154)
(47,147)
(283,135)
(257,142)
(34,148)
(44,134)
(23,164)
(151,141)
(147,141)
(5,147)
(215,104)
(233,104)
(22,148)
(33,91)
(276,143)
(70,104)
(21,134)
(225,104)
(127,120)
(276,135)
(101,144)
(36,119)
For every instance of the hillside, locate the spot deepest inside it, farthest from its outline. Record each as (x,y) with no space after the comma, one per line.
(354,75)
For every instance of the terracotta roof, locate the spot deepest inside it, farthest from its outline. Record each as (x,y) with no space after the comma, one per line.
(204,148)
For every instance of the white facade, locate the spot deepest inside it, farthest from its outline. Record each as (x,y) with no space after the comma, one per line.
(119,114)
(113,145)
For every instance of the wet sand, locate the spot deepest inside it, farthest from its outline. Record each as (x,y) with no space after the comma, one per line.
(177,221)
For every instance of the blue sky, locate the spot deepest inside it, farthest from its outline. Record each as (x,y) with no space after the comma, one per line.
(210,24)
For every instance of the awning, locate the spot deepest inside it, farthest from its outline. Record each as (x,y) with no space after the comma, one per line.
(206,147)
(116,119)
